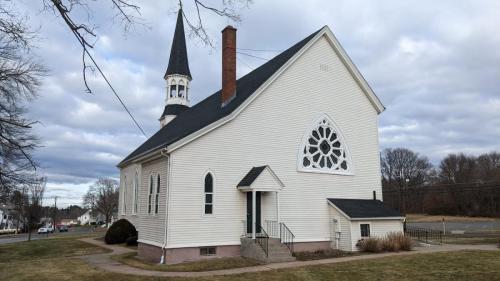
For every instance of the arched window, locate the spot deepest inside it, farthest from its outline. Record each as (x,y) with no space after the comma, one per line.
(173,88)
(324,150)
(209,194)
(124,195)
(181,88)
(136,192)
(150,196)
(157,195)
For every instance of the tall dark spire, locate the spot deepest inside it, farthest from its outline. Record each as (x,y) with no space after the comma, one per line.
(178,62)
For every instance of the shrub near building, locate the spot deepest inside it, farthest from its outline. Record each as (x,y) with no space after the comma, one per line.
(393,242)
(119,232)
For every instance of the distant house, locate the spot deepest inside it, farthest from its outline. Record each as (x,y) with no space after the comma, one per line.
(88,218)
(69,221)
(7,219)
(288,151)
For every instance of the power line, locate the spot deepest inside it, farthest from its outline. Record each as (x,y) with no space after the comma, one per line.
(249,55)
(260,50)
(109,84)
(246,64)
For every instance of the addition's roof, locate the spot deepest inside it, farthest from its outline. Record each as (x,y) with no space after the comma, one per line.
(178,61)
(210,110)
(364,208)
(251,176)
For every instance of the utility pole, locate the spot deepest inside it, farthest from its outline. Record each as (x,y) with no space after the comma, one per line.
(55,214)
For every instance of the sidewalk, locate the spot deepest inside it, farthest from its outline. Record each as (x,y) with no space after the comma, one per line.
(104,262)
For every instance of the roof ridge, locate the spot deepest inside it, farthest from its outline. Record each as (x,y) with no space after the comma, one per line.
(209,109)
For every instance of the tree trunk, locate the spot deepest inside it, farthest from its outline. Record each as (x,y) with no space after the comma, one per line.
(29,231)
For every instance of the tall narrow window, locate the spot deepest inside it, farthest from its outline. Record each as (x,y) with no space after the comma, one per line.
(173,89)
(157,195)
(136,192)
(150,199)
(181,89)
(209,194)
(124,195)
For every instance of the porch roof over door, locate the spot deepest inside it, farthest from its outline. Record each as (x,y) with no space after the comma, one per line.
(260,178)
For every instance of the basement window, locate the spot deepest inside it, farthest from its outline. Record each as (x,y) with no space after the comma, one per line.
(365,230)
(207,251)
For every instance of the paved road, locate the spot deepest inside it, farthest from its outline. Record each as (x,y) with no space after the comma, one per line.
(477,226)
(7,239)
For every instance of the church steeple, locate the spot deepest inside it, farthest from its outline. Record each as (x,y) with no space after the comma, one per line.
(177,75)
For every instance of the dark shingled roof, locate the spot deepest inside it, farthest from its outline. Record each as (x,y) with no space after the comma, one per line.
(360,208)
(210,110)
(178,61)
(173,109)
(250,177)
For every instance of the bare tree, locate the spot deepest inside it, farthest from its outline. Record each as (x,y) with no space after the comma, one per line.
(129,14)
(20,76)
(33,206)
(488,167)
(102,198)
(401,168)
(399,164)
(458,168)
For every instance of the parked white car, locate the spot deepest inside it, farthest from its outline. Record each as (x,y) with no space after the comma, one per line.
(45,230)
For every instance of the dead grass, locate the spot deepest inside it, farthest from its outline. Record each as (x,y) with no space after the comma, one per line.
(322,254)
(456,266)
(204,265)
(46,248)
(436,218)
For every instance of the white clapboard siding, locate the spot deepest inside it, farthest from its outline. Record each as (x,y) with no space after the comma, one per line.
(128,173)
(269,132)
(152,226)
(378,228)
(344,227)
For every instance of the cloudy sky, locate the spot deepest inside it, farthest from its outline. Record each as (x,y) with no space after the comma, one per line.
(434,64)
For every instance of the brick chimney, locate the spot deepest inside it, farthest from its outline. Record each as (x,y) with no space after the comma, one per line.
(228,64)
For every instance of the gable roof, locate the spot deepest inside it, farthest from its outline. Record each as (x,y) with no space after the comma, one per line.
(209,110)
(251,176)
(364,208)
(178,61)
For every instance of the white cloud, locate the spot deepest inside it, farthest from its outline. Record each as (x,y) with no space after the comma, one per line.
(433,64)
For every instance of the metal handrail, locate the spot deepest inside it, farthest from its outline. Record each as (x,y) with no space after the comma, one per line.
(286,236)
(262,239)
(273,228)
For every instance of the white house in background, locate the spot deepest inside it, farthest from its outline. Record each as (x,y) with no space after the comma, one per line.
(7,220)
(86,218)
(289,151)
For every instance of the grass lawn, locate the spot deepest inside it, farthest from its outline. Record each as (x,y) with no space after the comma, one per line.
(457,266)
(48,260)
(323,254)
(46,248)
(437,218)
(205,265)
(471,240)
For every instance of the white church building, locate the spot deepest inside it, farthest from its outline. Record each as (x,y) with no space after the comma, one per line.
(283,159)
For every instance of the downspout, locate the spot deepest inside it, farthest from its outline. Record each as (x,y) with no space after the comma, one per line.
(167,204)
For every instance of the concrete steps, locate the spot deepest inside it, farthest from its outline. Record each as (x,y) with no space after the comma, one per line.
(277,252)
